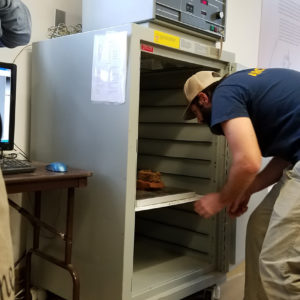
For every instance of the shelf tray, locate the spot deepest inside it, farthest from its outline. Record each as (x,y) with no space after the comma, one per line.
(162,198)
(158,268)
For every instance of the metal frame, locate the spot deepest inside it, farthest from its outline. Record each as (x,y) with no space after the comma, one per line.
(66,236)
(37,182)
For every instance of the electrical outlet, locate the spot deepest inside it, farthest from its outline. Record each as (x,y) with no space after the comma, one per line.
(60,17)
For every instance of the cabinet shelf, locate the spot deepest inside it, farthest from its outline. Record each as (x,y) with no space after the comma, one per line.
(167,196)
(157,267)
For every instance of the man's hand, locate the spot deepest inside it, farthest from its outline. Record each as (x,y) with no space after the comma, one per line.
(209,205)
(238,207)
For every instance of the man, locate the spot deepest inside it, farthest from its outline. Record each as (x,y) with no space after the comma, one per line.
(15,30)
(258,111)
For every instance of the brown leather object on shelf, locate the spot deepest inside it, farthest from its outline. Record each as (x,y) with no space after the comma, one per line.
(149,180)
(148,175)
(148,185)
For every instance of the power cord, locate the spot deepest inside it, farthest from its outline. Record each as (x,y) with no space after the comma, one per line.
(14,155)
(21,52)
(9,156)
(55,31)
(20,294)
(21,152)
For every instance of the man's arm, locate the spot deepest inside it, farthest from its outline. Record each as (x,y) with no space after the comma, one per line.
(268,176)
(15,23)
(246,162)
(246,158)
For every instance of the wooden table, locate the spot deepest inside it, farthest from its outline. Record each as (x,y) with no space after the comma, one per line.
(38,181)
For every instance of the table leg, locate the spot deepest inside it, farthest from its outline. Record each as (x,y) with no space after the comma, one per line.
(69,226)
(37,214)
(66,264)
(28,275)
(69,268)
(69,242)
(36,242)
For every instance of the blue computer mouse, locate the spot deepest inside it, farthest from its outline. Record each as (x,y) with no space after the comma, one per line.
(57,167)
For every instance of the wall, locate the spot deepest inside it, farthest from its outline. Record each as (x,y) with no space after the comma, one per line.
(43,17)
(243,27)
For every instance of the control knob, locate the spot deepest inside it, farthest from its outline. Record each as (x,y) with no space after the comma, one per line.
(220,15)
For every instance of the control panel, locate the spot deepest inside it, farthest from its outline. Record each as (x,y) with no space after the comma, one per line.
(205,16)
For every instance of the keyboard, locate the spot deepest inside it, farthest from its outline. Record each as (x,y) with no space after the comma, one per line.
(14,166)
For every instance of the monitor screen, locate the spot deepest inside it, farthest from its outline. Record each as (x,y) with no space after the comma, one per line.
(8,74)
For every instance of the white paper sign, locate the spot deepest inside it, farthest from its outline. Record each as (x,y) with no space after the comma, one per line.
(280,34)
(109,67)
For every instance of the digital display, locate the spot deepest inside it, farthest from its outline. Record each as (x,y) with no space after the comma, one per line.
(5,94)
(205,2)
(8,73)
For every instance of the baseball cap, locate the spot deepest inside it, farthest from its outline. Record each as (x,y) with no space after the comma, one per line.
(195,84)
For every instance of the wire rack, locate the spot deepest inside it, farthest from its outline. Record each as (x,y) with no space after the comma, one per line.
(62,29)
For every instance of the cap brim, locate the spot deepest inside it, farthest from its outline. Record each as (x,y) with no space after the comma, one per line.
(188,114)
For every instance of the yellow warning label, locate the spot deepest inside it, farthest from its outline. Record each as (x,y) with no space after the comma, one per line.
(166,39)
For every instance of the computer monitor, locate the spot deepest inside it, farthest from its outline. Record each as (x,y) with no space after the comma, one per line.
(8,74)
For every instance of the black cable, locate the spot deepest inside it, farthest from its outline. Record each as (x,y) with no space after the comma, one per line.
(21,52)
(20,259)
(22,152)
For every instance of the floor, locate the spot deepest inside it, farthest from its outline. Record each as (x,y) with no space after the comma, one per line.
(231,289)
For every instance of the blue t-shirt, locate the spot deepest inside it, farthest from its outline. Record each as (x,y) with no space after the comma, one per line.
(271,99)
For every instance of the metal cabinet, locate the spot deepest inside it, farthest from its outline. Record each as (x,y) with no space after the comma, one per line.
(124,247)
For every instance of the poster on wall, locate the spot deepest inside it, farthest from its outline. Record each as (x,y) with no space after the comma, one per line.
(279,44)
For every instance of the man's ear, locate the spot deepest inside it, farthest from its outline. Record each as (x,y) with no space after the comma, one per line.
(203,100)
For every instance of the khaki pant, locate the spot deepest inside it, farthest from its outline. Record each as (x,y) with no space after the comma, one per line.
(273,243)
(6,252)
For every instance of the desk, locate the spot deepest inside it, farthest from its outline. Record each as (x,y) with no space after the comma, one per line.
(38,181)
